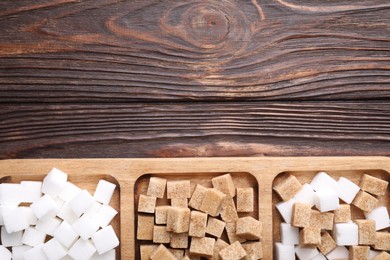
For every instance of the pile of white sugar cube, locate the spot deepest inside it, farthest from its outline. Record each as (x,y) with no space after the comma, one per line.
(319,224)
(55,219)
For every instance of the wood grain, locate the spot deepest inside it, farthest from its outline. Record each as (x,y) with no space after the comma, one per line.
(187,130)
(149,50)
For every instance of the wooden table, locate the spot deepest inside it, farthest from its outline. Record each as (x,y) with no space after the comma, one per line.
(147,78)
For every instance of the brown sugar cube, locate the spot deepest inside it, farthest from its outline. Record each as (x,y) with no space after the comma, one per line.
(365,201)
(146,204)
(178,219)
(228,210)
(342,214)
(288,188)
(310,236)
(327,243)
(156,187)
(219,245)
(382,241)
(198,222)
(301,215)
(162,252)
(181,202)
(358,252)
(233,252)
(382,256)
(249,228)
(161,235)
(245,201)
(254,250)
(179,240)
(178,189)
(366,231)
(212,202)
(202,246)
(178,253)
(231,233)
(145,227)
(146,251)
(161,214)
(197,196)
(323,220)
(373,185)
(225,184)
(215,227)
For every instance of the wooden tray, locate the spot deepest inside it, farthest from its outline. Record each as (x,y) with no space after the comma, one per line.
(126,172)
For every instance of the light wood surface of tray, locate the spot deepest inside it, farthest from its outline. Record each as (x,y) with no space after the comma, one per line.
(126,172)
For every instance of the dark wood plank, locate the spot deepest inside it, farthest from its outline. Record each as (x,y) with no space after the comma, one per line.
(111,50)
(186,130)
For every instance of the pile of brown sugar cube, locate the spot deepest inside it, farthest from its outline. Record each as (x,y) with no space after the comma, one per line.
(192,226)
(318,227)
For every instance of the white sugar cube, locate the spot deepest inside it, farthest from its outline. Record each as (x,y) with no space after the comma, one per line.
(35,253)
(284,252)
(11,239)
(104,215)
(31,191)
(15,220)
(85,227)
(54,182)
(322,181)
(285,209)
(326,200)
(54,250)
(69,192)
(346,234)
(110,255)
(5,254)
(81,202)
(305,195)
(347,190)
(340,252)
(93,209)
(10,194)
(44,207)
(289,234)
(49,225)
(82,249)
(30,216)
(3,210)
(381,217)
(104,191)
(65,234)
(304,253)
(33,237)
(67,214)
(319,257)
(105,240)
(18,251)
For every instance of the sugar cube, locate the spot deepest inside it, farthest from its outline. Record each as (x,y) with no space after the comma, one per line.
(82,249)
(66,213)
(340,252)
(381,217)
(161,252)
(322,181)
(10,194)
(45,207)
(245,201)
(3,210)
(30,216)
(146,251)
(310,236)
(301,215)
(284,252)
(48,226)
(366,231)
(358,252)
(85,227)
(33,237)
(179,202)
(218,246)
(161,214)
(81,202)
(373,185)
(146,204)
(254,250)
(232,234)
(35,253)
(69,192)
(305,195)
(382,241)
(285,209)
(326,200)
(18,251)
(365,201)
(105,239)
(104,215)
(342,214)
(327,243)
(215,227)
(178,253)
(323,220)
(178,189)
(202,246)
(346,234)
(197,196)
(179,240)
(306,252)
(65,234)
(178,219)
(382,256)
(5,254)
(156,187)
(11,239)
(289,234)
(198,222)
(54,182)
(31,191)
(288,187)
(225,184)
(54,250)
(234,251)
(228,210)
(104,191)
(212,202)
(249,228)
(161,235)
(15,220)
(145,227)
(347,190)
